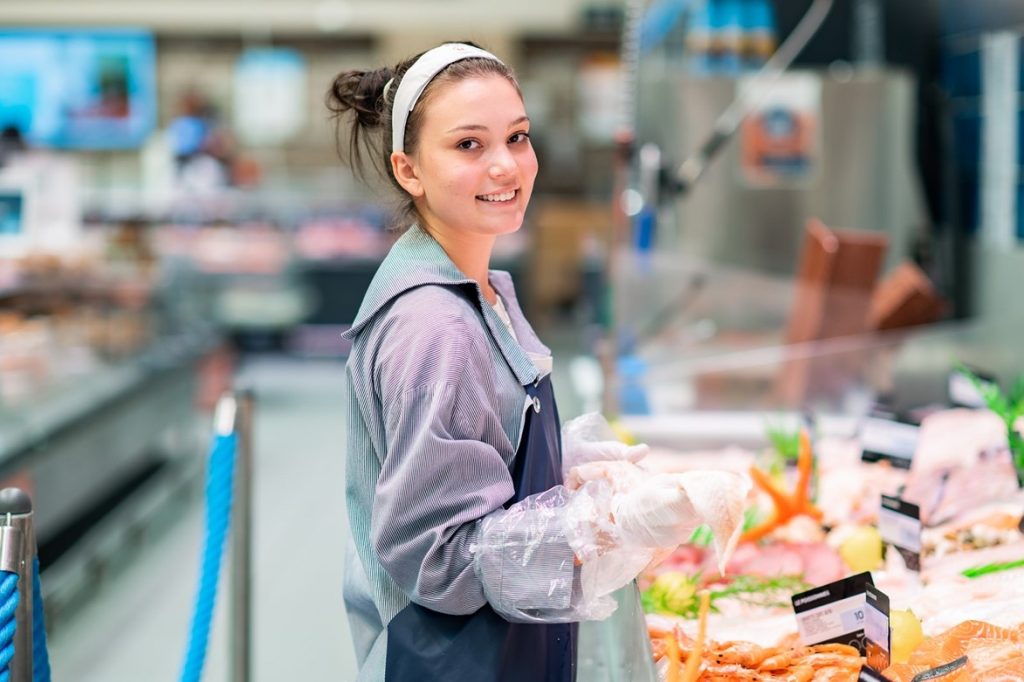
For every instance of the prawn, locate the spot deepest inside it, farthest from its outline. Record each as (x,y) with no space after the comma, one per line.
(747,654)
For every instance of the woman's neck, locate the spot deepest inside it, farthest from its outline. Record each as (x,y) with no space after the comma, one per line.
(471,253)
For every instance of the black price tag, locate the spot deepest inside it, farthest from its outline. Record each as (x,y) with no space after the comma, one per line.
(890,440)
(899,524)
(833,613)
(869,675)
(877,634)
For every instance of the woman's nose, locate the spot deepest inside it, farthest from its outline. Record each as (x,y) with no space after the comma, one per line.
(502,164)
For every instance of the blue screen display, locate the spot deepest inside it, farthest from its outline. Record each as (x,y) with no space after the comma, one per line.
(79,89)
(11,207)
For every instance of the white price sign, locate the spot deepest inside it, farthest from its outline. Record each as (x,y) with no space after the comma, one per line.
(899,530)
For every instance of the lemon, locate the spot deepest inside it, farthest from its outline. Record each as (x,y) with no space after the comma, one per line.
(861,550)
(675,591)
(621,432)
(906,634)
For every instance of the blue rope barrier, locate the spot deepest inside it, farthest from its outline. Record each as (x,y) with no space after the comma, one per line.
(218,518)
(40,655)
(8,607)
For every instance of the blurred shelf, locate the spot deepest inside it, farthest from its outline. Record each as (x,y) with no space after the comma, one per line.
(78,440)
(590,41)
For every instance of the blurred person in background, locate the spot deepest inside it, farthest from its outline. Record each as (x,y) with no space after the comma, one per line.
(11,143)
(202,147)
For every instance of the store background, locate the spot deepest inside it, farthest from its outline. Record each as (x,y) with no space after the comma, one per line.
(136,286)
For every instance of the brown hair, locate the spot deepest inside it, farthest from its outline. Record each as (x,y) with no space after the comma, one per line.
(362,93)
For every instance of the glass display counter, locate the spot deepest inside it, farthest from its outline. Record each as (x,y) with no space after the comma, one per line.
(706,394)
(76,440)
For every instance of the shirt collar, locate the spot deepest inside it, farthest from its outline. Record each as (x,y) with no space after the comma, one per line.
(415,260)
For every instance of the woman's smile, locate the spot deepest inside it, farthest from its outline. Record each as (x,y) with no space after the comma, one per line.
(500,198)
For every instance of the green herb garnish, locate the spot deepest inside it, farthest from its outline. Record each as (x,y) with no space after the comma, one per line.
(703,537)
(978,571)
(785,442)
(751,518)
(676,593)
(1008,407)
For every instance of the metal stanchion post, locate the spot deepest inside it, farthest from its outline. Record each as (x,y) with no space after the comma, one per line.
(17,550)
(241,543)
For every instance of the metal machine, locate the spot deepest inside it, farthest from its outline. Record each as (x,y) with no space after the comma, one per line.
(858,170)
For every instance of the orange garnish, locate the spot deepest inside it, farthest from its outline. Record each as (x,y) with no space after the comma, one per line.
(787,505)
(693,661)
(672,653)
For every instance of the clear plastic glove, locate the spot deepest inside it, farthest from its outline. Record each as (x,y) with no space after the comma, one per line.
(628,518)
(656,513)
(661,511)
(620,475)
(589,438)
(608,560)
(558,556)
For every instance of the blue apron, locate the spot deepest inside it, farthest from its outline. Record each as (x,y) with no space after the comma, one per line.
(424,645)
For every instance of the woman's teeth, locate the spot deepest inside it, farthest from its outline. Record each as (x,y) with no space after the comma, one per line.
(504,196)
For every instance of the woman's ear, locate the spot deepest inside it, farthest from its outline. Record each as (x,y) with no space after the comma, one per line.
(406,173)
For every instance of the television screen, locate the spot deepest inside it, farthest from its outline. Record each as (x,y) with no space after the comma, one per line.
(78,89)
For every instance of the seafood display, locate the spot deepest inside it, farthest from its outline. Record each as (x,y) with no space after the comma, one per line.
(972,650)
(957,613)
(712,661)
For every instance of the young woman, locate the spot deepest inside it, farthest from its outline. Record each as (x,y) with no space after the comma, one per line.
(461,567)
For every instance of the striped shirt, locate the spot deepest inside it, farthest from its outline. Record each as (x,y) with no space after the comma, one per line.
(435,409)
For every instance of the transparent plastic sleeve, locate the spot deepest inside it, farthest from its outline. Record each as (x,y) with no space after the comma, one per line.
(558,556)
(526,556)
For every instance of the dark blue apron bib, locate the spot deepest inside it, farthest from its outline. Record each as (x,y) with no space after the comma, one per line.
(424,645)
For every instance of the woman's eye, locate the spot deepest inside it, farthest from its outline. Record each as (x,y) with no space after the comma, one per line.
(468,144)
(519,137)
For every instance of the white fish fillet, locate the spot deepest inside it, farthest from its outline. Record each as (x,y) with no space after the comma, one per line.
(719,499)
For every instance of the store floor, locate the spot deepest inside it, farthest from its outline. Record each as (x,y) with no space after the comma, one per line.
(136,627)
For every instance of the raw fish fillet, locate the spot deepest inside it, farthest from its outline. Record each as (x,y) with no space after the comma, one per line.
(961,463)
(993,653)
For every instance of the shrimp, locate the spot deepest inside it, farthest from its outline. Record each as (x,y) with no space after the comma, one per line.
(818,656)
(843,649)
(746,654)
(800,673)
(827,660)
(836,674)
(727,673)
(784,660)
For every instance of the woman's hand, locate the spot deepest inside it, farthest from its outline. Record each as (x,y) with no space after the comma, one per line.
(589,438)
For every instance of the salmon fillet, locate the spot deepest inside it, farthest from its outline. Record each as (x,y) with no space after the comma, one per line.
(993,653)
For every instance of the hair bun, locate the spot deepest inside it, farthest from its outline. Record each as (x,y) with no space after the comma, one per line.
(360,92)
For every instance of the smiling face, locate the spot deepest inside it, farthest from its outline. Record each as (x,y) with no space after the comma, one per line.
(473,168)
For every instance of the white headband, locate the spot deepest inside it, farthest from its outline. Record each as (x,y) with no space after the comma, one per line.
(419,75)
